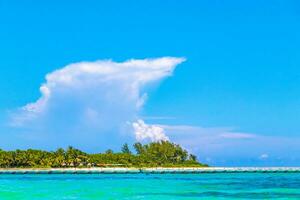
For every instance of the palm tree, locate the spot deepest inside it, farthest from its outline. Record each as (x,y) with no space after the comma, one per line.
(139,148)
(125,149)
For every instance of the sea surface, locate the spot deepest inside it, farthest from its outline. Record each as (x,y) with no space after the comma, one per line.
(150,186)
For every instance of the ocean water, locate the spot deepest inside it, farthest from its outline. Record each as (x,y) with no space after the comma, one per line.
(151,186)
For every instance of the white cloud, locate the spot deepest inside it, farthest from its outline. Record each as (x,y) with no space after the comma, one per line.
(92,100)
(129,76)
(264,156)
(216,132)
(235,135)
(148,132)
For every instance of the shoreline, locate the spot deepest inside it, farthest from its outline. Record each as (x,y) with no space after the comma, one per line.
(155,170)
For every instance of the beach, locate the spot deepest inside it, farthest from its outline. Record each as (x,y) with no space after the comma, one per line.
(123,170)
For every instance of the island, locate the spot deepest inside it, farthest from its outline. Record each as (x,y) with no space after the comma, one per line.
(152,155)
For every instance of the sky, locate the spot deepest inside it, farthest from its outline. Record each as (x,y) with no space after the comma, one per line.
(220,78)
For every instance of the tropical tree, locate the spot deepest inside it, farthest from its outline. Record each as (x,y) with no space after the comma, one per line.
(109,151)
(139,148)
(125,149)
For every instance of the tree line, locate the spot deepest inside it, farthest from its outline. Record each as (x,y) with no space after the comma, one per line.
(155,154)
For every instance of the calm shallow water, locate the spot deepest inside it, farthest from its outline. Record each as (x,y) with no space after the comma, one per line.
(152,186)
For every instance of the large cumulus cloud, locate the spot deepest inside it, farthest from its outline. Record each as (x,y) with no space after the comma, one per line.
(92,104)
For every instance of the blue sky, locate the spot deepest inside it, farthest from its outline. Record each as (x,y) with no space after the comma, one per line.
(240,78)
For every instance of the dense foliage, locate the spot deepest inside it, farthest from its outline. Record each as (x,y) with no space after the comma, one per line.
(154,154)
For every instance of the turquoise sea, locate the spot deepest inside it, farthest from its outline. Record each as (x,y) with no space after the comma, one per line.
(151,186)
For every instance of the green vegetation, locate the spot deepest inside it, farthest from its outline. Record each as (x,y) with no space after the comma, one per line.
(155,154)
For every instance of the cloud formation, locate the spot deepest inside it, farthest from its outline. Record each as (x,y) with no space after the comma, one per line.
(264,156)
(94,101)
(148,132)
(227,146)
(95,106)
